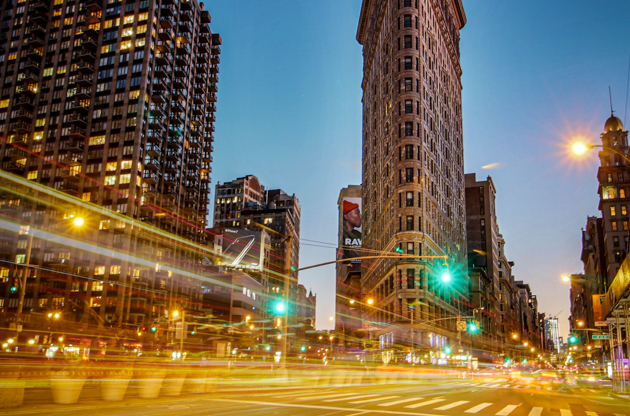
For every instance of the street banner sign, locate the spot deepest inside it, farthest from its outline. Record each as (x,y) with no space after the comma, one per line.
(600,336)
(461,325)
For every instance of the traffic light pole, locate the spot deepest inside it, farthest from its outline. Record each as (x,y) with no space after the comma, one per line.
(285,324)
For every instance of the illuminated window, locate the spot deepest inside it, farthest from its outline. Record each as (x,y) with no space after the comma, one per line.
(624,210)
(622,193)
(114,269)
(614,225)
(95,301)
(99,270)
(126,178)
(111,166)
(625,225)
(32,175)
(20,258)
(141,29)
(128,19)
(48,72)
(86,196)
(611,193)
(97,286)
(127,32)
(126,164)
(110,180)
(613,211)
(268,220)
(103,225)
(143,16)
(126,44)
(95,140)
(140,42)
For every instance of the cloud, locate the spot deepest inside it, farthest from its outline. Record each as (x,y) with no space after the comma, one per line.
(491,165)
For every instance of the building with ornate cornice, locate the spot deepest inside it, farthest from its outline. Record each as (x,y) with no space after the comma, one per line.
(413,180)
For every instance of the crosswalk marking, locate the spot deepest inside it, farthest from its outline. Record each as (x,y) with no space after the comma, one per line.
(413,399)
(536,411)
(428,402)
(506,410)
(325,396)
(374,400)
(477,408)
(450,406)
(351,398)
(565,412)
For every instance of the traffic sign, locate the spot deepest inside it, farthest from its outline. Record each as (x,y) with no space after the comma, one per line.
(461,325)
(600,336)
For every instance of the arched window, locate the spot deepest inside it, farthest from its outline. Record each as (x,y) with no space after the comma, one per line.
(611,193)
(622,193)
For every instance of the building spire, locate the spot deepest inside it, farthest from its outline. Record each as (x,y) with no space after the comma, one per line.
(612,112)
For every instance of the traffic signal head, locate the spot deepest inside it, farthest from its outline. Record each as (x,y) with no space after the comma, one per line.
(573,339)
(14,289)
(303,348)
(446,277)
(473,327)
(268,347)
(280,307)
(448,349)
(399,250)
(153,328)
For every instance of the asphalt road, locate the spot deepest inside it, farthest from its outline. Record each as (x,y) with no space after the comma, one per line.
(423,398)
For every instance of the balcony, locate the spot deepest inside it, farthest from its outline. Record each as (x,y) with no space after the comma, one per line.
(159,85)
(190,207)
(174,143)
(184,27)
(71,159)
(156,123)
(155,136)
(24,115)
(35,53)
(85,66)
(150,177)
(8,206)
(166,10)
(186,5)
(176,119)
(166,22)
(196,120)
(88,41)
(172,167)
(168,205)
(15,153)
(85,54)
(206,157)
(20,127)
(15,166)
(85,80)
(93,4)
(81,105)
(78,119)
(163,71)
(181,71)
(69,175)
(28,89)
(76,146)
(154,150)
(25,101)
(19,139)
(179,83)
(199,98)
(34,40)
(40,6)
(70,188)
(93,16)
(152,164)
(215,59)
(170,180)
(202,48)
(163,58)
(77,132)
(177,106)
(157,110)
(173,155)
(164,46)
(203,38)
(159,97)
(186,16)
(212,97)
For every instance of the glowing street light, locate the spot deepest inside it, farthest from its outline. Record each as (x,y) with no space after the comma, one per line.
(175,313)
(31,341)
(515,336)
(351,301)
(580,323)
(247,318)
(579,148)
(370,301)
(78,222)
(10,341)
(525,343)
(566,278)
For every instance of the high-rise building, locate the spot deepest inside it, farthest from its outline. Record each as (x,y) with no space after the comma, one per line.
(613,176)
(232,197)
(113,103)
(413,180)
(552,333)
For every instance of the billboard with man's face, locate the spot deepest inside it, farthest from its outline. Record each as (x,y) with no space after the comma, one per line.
(242,249)
(351,240)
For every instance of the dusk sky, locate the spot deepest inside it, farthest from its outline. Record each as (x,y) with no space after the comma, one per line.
(536,75)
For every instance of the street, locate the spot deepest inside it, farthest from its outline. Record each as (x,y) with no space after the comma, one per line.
(500,397)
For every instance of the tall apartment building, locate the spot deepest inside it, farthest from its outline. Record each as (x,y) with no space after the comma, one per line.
(613,176)
(112,102)
(552,334)
(413,181)
(232,197)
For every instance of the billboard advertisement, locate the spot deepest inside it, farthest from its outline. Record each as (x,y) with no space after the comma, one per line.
(351,240)
(242,249)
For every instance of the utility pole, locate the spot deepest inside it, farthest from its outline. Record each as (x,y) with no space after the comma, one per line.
(27,262)
(181,339)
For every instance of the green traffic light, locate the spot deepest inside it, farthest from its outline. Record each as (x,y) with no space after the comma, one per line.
(448,350)
(472,327)
(303,348)
(153,328)
(280,307)
(14,289)
(268,347)
(399,250)
(573,339)
(192,333)
(446,277)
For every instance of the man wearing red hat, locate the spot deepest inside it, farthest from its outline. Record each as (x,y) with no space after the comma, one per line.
(351,229)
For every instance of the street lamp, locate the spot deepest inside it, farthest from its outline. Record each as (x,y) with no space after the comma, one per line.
(370,301)
(580,148)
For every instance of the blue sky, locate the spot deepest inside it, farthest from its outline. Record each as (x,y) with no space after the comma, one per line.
(535,74)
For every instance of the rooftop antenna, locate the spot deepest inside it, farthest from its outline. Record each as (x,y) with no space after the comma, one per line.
(612,112)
